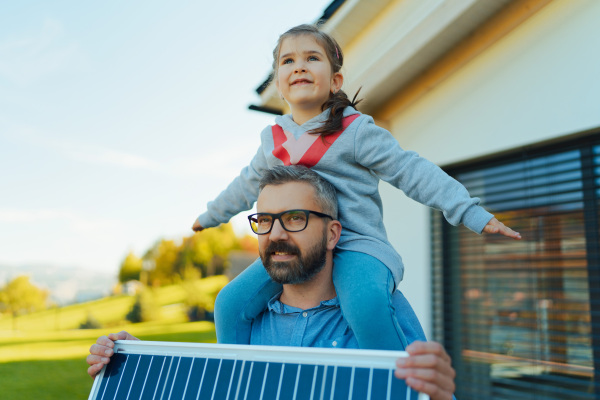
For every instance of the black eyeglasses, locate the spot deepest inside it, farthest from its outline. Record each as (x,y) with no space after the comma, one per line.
(291,220)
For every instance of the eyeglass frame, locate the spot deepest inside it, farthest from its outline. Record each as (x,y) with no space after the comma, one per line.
(277,216)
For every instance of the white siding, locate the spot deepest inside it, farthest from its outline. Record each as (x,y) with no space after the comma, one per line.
(541,81)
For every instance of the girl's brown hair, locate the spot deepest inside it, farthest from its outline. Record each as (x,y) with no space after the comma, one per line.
(337,102)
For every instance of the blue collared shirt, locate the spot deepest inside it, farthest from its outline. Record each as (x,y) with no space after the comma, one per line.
(321,326)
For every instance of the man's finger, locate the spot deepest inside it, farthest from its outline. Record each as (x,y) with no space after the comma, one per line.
(434,391)
(105,341)
(426,362)
(434,348)
(123,335)
(442,381)
(100,350)
(95,359)
(94,370)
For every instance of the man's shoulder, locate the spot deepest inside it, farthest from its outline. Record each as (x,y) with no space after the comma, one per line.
(407,319)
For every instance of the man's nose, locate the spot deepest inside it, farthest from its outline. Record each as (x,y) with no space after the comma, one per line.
(277,232)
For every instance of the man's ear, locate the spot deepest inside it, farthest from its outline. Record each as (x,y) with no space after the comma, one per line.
(334,230)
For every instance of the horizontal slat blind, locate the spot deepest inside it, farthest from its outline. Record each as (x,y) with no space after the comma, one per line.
(521,318)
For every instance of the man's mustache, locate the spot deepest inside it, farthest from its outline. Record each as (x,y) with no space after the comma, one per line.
(283,247)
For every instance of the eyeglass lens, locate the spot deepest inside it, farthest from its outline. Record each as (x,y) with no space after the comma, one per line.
(292,221)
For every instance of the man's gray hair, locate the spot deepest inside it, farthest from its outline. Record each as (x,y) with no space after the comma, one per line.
(325,193)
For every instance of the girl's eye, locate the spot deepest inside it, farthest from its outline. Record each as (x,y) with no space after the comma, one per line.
(313,58)
(287,61)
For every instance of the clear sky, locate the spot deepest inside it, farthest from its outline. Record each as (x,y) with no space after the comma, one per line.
(120,120)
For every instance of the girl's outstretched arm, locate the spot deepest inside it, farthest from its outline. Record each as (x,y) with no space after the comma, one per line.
(495,226)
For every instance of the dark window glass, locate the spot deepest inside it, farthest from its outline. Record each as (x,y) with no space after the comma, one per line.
(521,318)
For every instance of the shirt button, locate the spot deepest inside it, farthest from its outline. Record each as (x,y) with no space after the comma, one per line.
(334,343)
(305,314)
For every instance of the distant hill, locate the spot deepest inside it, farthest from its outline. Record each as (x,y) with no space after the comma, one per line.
(66,285)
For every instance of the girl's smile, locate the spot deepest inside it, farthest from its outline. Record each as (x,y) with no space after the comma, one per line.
(304,76)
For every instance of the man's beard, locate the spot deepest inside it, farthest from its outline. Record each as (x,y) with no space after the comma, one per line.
(302,269)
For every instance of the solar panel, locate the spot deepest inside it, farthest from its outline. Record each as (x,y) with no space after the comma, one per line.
(200,371)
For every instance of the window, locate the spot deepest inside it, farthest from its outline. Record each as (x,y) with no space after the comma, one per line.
(521,319)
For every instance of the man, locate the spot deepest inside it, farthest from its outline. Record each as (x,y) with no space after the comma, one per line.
(298,233)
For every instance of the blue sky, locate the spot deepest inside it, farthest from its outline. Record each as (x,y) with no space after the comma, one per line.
(119,121)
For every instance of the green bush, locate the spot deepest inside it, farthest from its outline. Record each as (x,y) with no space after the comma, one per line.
(144,308)
(90,323)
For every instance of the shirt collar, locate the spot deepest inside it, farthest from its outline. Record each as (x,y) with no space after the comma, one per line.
(278,307)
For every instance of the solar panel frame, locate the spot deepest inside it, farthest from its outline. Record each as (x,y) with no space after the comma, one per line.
(241,363)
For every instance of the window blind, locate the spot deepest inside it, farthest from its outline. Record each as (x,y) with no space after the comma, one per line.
(521,318)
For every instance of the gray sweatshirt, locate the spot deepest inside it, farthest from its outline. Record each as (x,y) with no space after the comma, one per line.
(357,160)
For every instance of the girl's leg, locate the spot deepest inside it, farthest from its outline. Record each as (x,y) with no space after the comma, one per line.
(364,287)
(242,300)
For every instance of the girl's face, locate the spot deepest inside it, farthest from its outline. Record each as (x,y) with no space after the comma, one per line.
(304,76)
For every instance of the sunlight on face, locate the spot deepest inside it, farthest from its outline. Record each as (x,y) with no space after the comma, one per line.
(304,75)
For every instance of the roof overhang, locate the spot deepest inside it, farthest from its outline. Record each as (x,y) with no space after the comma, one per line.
(388,43)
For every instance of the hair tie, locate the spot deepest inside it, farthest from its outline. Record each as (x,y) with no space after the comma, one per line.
(336,53)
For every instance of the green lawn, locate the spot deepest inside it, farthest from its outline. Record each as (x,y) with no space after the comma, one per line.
(38,367)
(45,359)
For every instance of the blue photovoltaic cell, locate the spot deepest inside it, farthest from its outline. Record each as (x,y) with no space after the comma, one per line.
(360,383)
(257,377)
(169,378)
(379,384)
(208,379)
(223,380)
(305,382)
(341,386)
(317,382)
(195,376)
(326,392)
(399,386)
(235,379)
(114,369)
(181,378)
(127,376)
(243,384)
(272,380)
(134,376)
(162,377)
(288,381)
(150,384)
(136,385)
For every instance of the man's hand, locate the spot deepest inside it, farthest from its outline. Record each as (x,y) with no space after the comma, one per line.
(102,350)
(428,370)
(197,227)
(495,226)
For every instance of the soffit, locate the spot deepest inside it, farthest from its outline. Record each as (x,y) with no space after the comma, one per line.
(389,43)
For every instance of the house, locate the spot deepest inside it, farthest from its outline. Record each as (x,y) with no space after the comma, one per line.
(503,95)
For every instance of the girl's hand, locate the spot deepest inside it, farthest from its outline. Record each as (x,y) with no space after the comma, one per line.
(495,226)
(197,227)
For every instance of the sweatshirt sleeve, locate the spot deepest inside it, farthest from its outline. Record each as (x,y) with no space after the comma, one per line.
(418,178)
(239,195)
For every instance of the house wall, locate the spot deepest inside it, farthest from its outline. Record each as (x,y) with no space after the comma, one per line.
(539,82)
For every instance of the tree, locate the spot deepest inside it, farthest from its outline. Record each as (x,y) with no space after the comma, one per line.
(161,258)
(144,309)
(203,254)
(20,296)
(131,268)
(210,248)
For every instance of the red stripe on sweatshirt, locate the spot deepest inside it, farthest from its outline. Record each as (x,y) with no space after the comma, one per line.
(315,152)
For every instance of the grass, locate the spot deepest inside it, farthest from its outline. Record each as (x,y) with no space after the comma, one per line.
(45,380)
(45,359)
(53,367)
(108,311)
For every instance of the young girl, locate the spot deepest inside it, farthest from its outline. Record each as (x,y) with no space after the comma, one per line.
(325,132)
